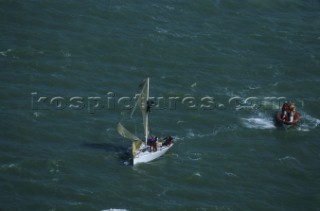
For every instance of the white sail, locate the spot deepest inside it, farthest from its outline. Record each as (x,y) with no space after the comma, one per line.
(142,103)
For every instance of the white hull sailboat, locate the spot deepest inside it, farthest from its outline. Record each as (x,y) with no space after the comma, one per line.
(142,151)
(145,155)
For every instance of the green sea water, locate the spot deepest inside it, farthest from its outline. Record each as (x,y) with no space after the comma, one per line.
(68,69)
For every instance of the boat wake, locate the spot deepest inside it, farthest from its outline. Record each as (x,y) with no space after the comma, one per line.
(260,122)
(191,134)
(307,122)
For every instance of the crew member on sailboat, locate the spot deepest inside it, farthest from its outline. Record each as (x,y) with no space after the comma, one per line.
(152,142)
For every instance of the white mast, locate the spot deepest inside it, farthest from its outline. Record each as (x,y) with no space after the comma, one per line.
(147,119)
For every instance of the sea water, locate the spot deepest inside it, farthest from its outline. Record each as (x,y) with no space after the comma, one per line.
(69,70)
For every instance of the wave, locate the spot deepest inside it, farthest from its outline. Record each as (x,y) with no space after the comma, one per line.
(230,174)
(194,156)
(191,133)
(197,174)
(254,86)
(292,163)
(307,122)
(287,158)
(258,103)
(115,209)
(5,53)
(9,166)
(260,122)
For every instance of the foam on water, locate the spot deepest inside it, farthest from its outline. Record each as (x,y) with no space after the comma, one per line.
(307,122)
(197,174)
(193,86)
(288,158)
(192,135)
(254,86)
(115,209)
(194,156)
(5,53)
(80,49)
(230,174)
(8,166)
(260,122)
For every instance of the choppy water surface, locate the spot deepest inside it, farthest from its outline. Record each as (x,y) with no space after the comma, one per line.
(65,66)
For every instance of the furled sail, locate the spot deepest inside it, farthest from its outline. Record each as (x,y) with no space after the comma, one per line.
(136,144)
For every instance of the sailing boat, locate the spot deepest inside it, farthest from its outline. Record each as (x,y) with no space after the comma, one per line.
(142,152)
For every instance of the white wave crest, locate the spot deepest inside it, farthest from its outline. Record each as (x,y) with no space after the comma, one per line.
(258,123)
(307,123)
(5,53)
(230,174)
(194,156)
(288,158)
(113,209)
